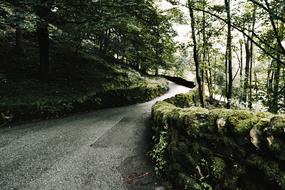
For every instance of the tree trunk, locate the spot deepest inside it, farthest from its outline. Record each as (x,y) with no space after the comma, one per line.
(196,55)
(248,44)
(241,72)
(283,91)
(19,41)
(203,70)
(256,85)
(269,82)
(43,39)
(209,79)
(251,59)
(246,71)
(156,71)
(250,78)
(229,55)
(249,90)
(274,107)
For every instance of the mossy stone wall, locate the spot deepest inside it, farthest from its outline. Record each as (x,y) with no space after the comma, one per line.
(219,149)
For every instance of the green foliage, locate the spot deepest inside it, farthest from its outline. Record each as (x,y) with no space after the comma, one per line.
(91,83)
(135,33)
(158,153)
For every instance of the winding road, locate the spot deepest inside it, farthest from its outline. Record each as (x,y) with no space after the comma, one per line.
(102,150)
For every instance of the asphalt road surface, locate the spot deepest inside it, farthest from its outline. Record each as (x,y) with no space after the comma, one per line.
(102,150)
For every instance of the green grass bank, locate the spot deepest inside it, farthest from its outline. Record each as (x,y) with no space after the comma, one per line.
(77,84)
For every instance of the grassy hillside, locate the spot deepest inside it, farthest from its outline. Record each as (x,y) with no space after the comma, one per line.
(77,83)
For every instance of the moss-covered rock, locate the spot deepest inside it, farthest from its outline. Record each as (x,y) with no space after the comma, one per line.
(219,148)
(217,168)
(182,100)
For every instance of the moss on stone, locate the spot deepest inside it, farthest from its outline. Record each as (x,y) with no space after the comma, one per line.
(228,149)
(264,115)
(262,123)
(217,168)
(193,120)
(277,124)
(161,112)
(242,121)
(182,100)
(218,119)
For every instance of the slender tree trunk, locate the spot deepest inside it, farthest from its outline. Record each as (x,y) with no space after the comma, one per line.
(156,71)
(248,44)
(196,54)
(203,71)
(250,76)
(251,58)
(247,70)
(250,82)
(275,96)
(43,39)
(158,48)
(269,82)
(226,73)
(229,54)
(19,40)
(256,85)
(209,79)
(241,71)
(101,42)
(106,41)
(19,48)
(43,10)
(283,91)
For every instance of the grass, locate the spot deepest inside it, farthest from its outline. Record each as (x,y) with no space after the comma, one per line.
(77,83)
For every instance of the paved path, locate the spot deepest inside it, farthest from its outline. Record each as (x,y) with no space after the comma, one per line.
(98,150)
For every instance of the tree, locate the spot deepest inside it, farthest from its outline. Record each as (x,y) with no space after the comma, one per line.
(228,59)
(196,54)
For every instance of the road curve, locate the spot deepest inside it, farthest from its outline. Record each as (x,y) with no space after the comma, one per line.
(102,150)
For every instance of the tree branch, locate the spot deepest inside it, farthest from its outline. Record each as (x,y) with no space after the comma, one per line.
(244,33)
(272,13)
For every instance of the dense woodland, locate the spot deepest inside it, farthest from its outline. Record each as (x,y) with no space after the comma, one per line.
(238,51)
(135,33)
(56,55)
(236,48)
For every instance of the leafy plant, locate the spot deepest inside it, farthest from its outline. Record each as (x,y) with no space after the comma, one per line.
(159,151)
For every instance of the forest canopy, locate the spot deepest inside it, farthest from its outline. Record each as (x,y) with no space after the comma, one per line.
(135,33)
(237,48)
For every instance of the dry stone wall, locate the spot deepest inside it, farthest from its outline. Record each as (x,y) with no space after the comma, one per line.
(219,149)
